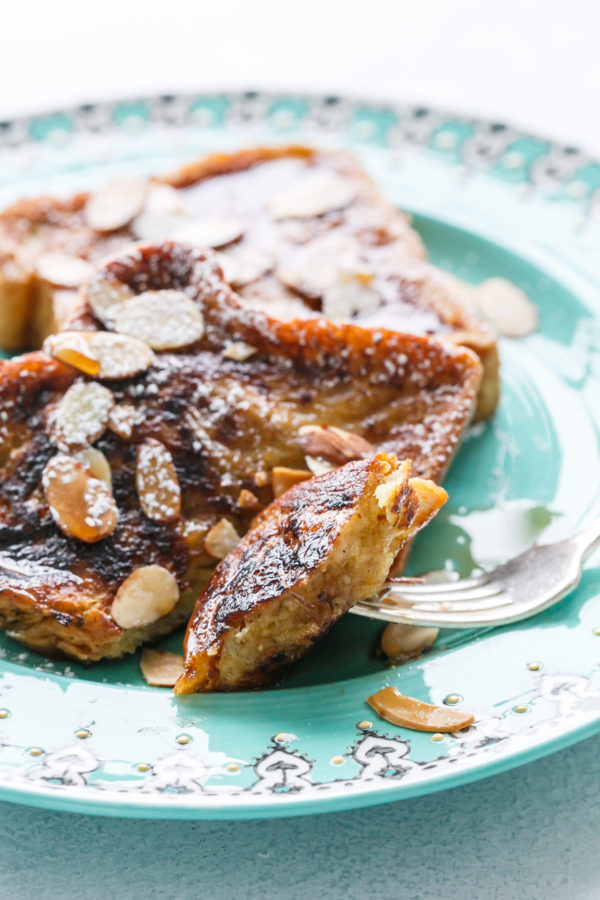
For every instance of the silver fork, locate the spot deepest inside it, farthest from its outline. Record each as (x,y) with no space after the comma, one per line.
(520,588)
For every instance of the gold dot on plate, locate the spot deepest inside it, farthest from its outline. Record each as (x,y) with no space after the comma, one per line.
(521,708)
(284,737)
(365,724)
(35,751)
(143,767)
(82,734)
(337,760)
(446,140)
(4,713)
(233,767)
(514,160)
(534,666)
(437,737)
(183,739)
(597,632)
(451,699)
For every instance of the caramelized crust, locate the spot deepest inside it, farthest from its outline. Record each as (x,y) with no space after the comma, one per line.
(403,290)
(224,422)
(323,546)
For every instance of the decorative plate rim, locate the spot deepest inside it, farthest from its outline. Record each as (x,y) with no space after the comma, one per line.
(360,790)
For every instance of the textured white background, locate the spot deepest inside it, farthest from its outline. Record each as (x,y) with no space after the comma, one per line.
(535,63)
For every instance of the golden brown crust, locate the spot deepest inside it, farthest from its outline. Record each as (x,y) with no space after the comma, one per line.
(223,421)
(323,546)
(416,296)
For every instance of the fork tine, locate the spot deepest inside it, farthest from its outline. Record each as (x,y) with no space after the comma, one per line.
(398,596)
(441,588)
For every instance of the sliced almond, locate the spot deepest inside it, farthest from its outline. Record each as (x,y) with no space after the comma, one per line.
(165,200)
(243,265)
(318,466)
(154,227)
(238,351)
(156,482)
(105,295)
(101,353)
(159,668)
(318,265)
(122,419)
(314,195)
(247,500)
(165,320)
(74,349)
(116,204)
(402,642)
(209,232)
(82,414)
(507,307)
(149,593)
(282,479)
(348,298)
(97,463)
(261,478)
(63,270)
(335,445)
(394,707)
(80,504)
(221,539)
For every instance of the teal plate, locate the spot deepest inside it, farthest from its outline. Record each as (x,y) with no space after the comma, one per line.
(488,200)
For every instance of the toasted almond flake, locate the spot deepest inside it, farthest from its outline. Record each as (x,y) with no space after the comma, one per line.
(209,232)
(150,226)
(122,419)
(97,463)
(63,270)
(313,195)
(80,504)
(149,593)
(282,478)
(334,445)
(394,707)
(156,482)
(507,307)
(221,539)
(165,200)
(239,351)
(402,642)
(247,500)
(165,320)
(243,265)
(101,353)
(159,668)
(322,263)
(261,478)
(116,204)
(105,295)
(74,349)
(82,415)
(318,466)
(348,298)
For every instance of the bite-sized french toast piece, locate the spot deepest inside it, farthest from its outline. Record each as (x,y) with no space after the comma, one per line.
(323,546)
(131,460)
(300,232)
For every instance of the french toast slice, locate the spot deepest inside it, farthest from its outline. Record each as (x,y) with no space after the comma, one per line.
(323,546)
(126,473)
(301,232)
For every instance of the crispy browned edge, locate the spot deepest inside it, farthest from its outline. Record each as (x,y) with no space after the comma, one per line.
(289,531)
(63,625)
(26,315)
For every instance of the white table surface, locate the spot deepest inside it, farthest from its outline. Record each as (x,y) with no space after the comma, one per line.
(536,63)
